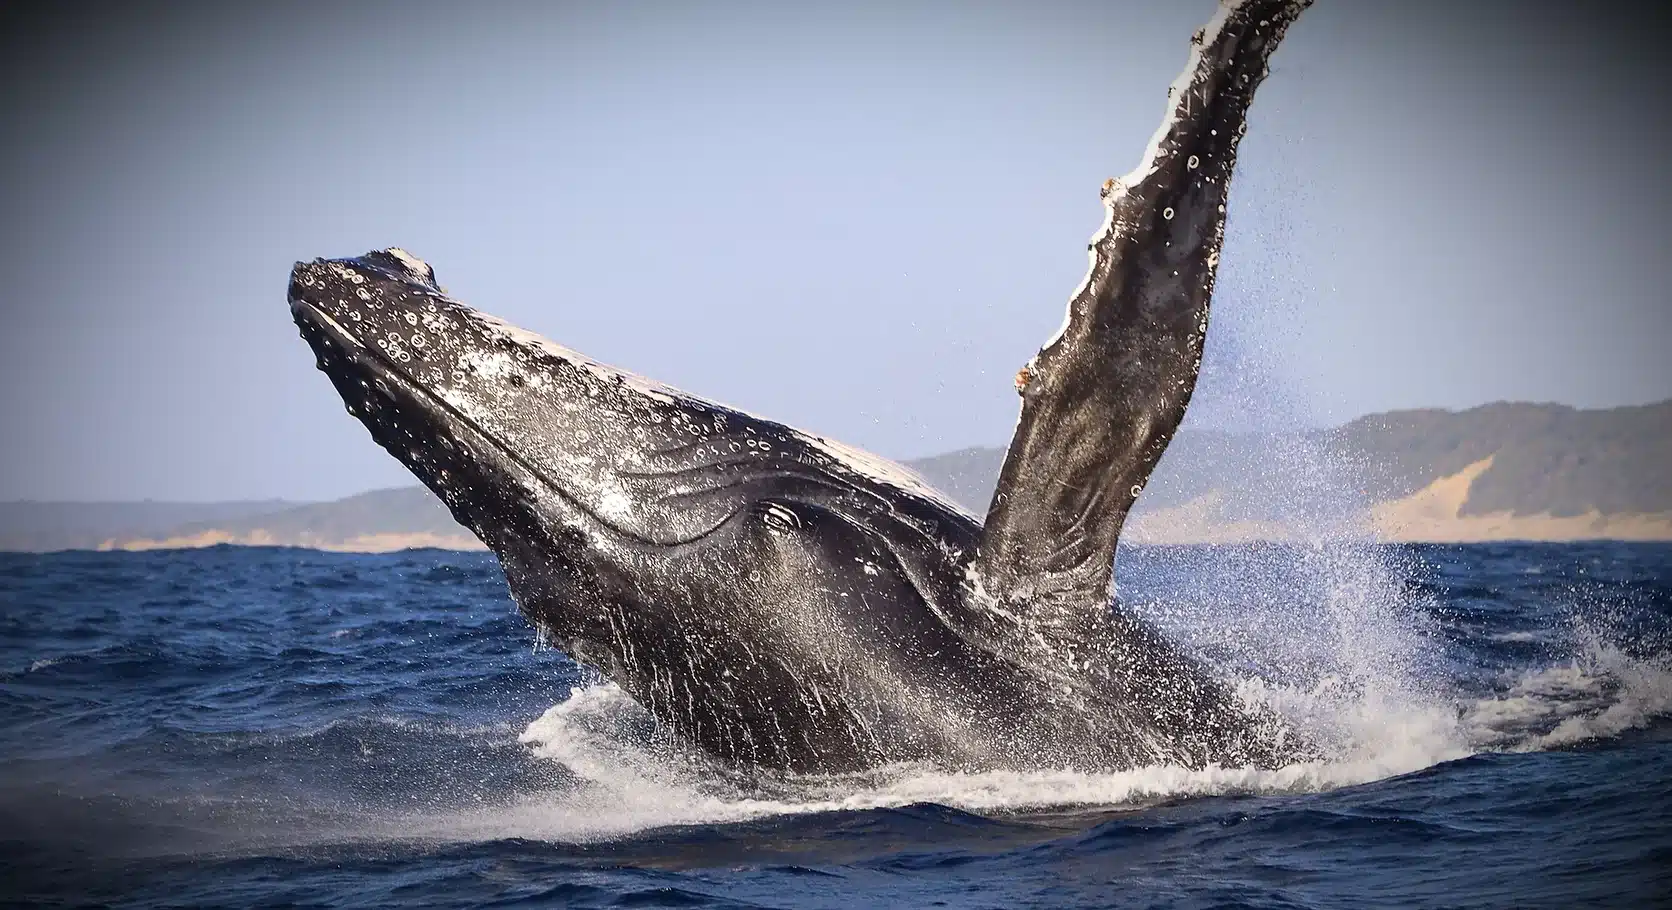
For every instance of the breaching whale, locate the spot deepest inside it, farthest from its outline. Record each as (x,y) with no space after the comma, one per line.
(783,601)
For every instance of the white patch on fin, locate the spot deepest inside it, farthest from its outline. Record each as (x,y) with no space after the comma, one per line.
(1146,165)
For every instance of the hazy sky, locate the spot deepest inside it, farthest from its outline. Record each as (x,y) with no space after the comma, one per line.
(856,218)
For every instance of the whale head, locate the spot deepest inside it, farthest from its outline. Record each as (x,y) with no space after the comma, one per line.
(735,575)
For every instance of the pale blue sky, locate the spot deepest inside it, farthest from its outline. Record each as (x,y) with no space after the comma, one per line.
(853,218)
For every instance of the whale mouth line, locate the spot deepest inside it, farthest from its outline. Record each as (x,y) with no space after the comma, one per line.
(358,352)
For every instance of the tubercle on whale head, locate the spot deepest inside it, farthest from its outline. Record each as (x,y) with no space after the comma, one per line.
(452,396)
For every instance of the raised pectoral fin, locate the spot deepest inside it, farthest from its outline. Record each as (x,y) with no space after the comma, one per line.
(1101,400)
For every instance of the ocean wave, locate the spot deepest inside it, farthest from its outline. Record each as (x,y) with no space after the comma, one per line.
(1598,694)
(1518,637)
(631,776)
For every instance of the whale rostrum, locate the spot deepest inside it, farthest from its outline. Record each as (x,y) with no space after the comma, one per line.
(783,601)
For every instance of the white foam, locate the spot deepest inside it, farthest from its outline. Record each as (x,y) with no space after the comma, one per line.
(1598,694)
(632,777)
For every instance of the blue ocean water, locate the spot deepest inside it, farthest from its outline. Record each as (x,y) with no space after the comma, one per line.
(262,727)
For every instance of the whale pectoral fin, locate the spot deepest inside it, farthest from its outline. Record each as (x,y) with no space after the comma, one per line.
(1101,400)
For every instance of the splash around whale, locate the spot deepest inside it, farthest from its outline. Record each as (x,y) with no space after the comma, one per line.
(786,602)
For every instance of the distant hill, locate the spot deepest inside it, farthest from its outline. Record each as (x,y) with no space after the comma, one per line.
(85,525)
(381,520)
(1496,472)
(1546,459)
(1500,471)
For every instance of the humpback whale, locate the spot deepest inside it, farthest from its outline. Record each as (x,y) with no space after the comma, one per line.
(785,602)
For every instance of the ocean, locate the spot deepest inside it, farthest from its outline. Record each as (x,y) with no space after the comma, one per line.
(248,727)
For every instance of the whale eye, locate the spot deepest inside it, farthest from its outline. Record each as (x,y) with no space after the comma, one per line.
(780,518)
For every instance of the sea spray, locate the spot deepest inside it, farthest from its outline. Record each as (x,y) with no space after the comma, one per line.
(1322,628)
